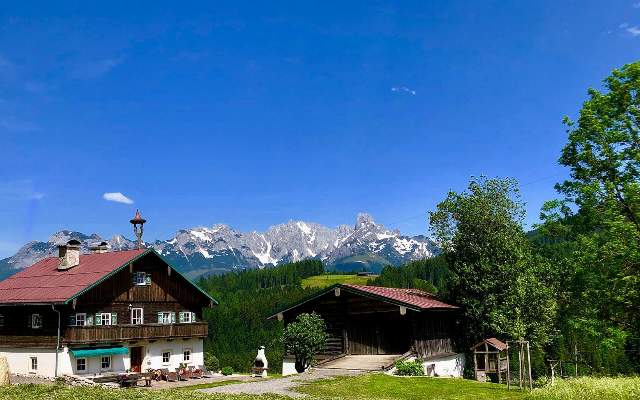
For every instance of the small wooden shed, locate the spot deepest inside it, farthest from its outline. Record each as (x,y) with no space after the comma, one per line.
(490,357)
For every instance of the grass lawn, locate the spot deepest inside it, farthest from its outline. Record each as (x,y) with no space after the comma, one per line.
(373,386)
(590,389)
(208,385)
(321,281)
(383,387)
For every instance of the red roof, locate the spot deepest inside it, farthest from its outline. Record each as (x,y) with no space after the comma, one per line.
(412,297)
(43,283)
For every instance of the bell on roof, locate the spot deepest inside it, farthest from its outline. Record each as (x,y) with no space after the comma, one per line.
(138,227)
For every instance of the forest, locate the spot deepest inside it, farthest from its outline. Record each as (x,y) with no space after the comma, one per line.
(571,286)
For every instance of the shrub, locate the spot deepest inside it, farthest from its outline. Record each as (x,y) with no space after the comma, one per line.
(304,338)
(211,362)
(409,368)
(226,371)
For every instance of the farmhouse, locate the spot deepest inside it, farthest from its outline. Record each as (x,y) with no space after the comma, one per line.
(99,313)
(370,320)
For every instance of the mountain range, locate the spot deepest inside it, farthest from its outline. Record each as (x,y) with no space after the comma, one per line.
(201,251)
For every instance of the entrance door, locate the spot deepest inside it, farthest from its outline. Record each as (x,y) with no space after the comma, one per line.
(136,358)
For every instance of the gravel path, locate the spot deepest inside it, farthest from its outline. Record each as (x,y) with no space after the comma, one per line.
(282,386)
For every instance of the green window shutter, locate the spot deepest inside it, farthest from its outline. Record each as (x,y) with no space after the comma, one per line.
(99,318)
(29,318)
(193,317)
(72,320)
(114,318)
(181,317)
(159,317)
(147,279)
(173,318)
(133,277)
(89,318)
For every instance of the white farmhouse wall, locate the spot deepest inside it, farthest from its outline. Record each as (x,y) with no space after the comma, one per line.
(19,359)
(450,365)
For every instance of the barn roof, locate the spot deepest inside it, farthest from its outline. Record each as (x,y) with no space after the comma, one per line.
(43,283)
(413,299)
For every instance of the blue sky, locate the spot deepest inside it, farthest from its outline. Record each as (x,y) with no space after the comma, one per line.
(253,113)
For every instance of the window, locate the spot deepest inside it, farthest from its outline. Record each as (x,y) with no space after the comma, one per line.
(81,319)
(104,319)
(166,356)
(105,362)
(186,355)
(36,321)
(141,279)
(34,364)
(137,316)
(166,317)
(81,364)
(186,317)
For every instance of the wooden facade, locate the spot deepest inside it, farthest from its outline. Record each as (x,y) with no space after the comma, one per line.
(167,291)
(358,324)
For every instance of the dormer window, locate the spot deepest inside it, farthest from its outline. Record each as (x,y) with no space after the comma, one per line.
(141,279)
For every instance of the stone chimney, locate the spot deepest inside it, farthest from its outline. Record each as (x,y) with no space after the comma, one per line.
(69,255)
(100,248)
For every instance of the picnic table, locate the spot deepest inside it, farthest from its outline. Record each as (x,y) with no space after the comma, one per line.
(132,379)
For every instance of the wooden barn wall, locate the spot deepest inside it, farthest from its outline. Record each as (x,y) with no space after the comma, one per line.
(433,332)
(167,292)
(361,325)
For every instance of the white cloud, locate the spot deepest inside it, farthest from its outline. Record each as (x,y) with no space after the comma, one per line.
(623,25)
(95,69)
(636,5)
(634,31)
(117,197)
(19,190)
(403,89)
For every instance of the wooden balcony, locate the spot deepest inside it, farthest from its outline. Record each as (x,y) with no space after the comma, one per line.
(45,341)
(119,333)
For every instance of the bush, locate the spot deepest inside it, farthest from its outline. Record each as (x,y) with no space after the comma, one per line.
(211,362)
(226,371)
(304,338)
(409,368)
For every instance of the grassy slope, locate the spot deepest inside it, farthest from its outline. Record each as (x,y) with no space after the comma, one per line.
(321,281)
(383,387)
(590,389)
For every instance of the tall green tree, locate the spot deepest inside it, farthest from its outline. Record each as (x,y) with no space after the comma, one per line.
(594,229)
(494,276)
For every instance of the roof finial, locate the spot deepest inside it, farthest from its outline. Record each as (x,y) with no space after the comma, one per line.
(138,228)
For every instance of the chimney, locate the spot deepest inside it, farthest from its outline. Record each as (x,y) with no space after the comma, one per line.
(69,255)
(100,248)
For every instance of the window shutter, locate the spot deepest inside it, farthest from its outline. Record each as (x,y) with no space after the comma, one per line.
(173,318)
(99,318)
(159,317)
(181,317)
(133,277)
(114,318)
(72,320)
(29,319)
(193,317)
(147,279)
(89,319)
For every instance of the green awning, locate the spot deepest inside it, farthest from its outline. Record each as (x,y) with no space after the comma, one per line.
(98,352)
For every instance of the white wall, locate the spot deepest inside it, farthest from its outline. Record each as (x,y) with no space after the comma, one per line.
(449,365)
(153,353)
(20,360)
(289,366)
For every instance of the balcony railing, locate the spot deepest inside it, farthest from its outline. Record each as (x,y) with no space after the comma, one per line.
(116,333)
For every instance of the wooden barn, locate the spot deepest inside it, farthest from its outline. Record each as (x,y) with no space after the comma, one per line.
(379,321)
